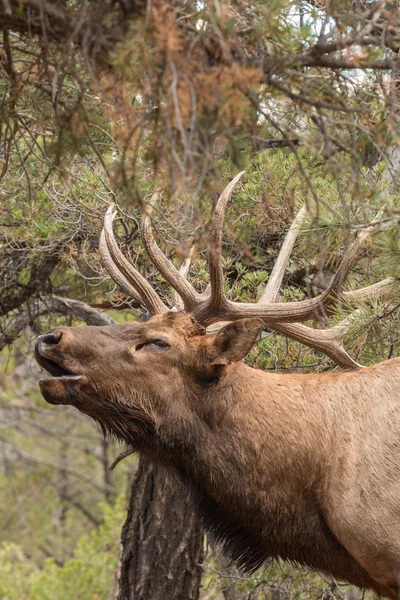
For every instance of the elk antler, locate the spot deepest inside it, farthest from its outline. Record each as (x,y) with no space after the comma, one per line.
(176,279)
(212,306)
(217,300)
(121,270)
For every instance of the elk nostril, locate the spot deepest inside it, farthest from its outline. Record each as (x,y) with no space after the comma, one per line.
(51,338)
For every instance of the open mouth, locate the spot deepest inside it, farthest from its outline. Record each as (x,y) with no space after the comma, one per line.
(63,386)
(53,368)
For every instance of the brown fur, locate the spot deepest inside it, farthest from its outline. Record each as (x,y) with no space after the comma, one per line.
(305,467)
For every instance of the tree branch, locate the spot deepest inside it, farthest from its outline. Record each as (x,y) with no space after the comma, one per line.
(47,305)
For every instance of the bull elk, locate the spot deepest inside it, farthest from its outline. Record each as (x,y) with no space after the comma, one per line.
(302,467)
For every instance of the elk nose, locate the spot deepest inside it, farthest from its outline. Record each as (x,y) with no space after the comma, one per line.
(48,339)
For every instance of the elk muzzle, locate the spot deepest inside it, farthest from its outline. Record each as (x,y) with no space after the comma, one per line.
(65,384)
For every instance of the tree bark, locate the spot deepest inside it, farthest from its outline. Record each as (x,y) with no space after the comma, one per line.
(162,540)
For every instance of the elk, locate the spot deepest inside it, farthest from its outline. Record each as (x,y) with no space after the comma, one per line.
(299,466)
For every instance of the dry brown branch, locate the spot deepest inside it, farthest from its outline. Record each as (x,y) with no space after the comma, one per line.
(97,28)
(120,457)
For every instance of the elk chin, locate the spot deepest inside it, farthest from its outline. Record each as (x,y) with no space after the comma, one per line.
(62,390)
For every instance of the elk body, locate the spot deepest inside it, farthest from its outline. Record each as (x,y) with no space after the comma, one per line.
(304,467)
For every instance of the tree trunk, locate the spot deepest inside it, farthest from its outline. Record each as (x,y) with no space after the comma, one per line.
(162,541)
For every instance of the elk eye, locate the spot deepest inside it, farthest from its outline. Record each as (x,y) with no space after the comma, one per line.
(159,343)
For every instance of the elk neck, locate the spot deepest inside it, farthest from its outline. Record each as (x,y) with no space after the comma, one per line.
(226,427)
(261,454)
(246,450)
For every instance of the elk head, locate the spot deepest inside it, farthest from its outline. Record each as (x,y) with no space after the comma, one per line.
(129,377)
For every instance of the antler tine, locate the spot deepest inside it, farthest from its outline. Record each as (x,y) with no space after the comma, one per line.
(215,245)
(183,272)
(328,341)
(275,280)
(351,255)
(175,279)
(113,271)
(121,270)
(371,292)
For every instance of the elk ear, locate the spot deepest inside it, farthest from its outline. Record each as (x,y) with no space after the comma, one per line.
(234,341)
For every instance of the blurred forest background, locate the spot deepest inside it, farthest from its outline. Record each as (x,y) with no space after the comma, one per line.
(107,101)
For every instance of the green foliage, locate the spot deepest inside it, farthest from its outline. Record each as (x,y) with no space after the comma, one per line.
(17,573)
(88,575)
